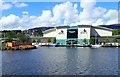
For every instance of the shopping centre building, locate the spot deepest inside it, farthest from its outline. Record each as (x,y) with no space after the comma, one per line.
(79,34)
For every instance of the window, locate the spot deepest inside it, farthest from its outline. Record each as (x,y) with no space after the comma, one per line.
(72,33)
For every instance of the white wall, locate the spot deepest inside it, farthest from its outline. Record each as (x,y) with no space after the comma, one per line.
(102,32)
(50,34)
(60,35)
(84,35)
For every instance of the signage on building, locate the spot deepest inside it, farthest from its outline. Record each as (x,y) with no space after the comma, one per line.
(61,32)
(83,32)
(71,31)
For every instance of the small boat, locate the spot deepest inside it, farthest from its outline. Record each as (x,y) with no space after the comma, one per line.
(96,46)
(36,45)
(52,45)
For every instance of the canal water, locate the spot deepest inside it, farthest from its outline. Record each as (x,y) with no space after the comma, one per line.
(61,61)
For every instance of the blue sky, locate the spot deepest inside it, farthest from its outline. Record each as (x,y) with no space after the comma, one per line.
(35,8)
(25,15)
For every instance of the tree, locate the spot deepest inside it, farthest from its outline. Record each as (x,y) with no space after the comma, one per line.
(8,39)
(1,35)
(9,36)
(49,40)
(54,41)
(22,37)
(106,40)
(114,40)
(116,31)
(84,40)
(33,40)
(91,40)
(39,40)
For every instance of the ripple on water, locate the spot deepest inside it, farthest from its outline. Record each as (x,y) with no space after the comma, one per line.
(61,61)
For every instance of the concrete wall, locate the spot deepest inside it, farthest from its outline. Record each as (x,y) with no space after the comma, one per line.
(50,34)
(61,35)
(82,34)
(103,32)
(61,41)
(100,32)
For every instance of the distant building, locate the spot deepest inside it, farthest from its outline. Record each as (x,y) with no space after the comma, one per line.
(77,34)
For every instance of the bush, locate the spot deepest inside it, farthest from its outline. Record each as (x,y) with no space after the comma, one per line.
(106,40)
(54,41)
(48,40)
(33,40)
(91,40)
(114,40)
(84,40)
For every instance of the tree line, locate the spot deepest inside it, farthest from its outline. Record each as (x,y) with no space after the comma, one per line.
(16,37)
(116,31)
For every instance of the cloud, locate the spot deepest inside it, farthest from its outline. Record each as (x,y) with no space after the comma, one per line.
(113,21)
(1,1)
(44,20)
(66,13)
(91,14)
(98,12)
(9,22)
(6,6)
(25,13)
(20,5)
(111,14)
(87,4)
(85,15)
(99,22)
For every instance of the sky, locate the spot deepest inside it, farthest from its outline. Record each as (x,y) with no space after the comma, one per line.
(24,15)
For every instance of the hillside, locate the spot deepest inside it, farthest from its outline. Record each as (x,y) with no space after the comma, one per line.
(113,26)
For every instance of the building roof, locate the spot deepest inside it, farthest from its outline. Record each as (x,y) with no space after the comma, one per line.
(84,25)
(59,27)
(98,27)
(104,28)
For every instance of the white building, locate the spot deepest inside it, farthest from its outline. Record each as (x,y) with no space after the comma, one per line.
(79,34)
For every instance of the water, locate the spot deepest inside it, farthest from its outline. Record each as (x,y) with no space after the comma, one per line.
(61,61)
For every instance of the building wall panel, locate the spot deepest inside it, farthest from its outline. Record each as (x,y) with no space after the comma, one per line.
(61,33)
(103,32)
(83,33)
(100,32)
(50,34)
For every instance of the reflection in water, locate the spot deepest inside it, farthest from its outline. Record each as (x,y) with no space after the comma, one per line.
(61,61)
(0,63)
(77,61)
(103,62)
(71,66)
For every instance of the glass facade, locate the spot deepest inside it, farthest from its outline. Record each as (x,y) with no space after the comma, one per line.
(72,33)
